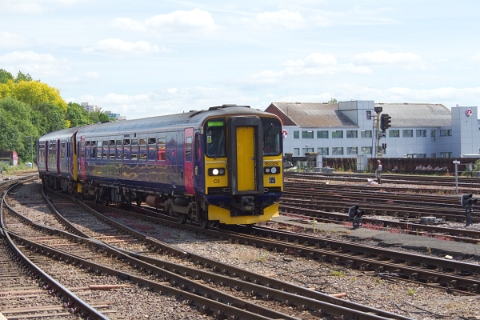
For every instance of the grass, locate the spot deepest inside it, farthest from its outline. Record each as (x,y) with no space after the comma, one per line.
(21,168)
(337,273)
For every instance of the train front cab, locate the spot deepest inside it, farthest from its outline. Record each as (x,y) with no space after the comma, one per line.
(243,180)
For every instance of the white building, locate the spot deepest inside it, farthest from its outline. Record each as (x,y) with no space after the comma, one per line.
(348,129)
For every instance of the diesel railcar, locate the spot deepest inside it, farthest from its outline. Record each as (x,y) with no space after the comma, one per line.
(221,165)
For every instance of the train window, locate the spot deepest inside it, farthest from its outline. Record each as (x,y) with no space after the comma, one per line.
(188,149)
(119,150)
(215,138)
(133,156)
(99,152)
(151,140)
(62,150)
(119,142)
(152,152)
(93,143)
(126,142)
(134,142)
(87,143)
(162,149)
(105,143)
(143,156)
(197,146)
(111,142)
(272,137)
(126,151)
(143,142)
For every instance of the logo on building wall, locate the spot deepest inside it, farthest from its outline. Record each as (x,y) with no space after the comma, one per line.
(284,133)
(468,112)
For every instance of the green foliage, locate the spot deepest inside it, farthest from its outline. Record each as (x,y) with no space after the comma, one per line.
(98,116)
(77,115)
(23,77)
(30,109)
(5,76)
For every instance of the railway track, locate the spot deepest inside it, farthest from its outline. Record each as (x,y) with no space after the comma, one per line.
(437,272)
(27,291)
(178,277)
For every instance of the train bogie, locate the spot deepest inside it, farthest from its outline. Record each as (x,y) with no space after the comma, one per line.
(221,165)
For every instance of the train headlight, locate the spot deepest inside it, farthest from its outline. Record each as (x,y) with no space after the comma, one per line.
(216,172)
(271,170)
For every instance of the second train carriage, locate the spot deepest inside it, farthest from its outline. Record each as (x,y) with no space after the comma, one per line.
(222,165)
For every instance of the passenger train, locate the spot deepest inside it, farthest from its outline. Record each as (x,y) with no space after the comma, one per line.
(222,165)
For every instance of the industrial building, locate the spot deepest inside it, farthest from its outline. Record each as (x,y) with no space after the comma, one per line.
(349,129)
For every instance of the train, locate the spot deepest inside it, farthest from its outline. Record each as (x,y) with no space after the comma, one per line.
(219,166)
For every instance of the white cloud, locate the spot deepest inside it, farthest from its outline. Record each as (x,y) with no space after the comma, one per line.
(34,6)
(283,19)
(195,20)
(92,75)
(37,64)
(313,65)
(119,47)
(476,57)
(382,57)
(11,40)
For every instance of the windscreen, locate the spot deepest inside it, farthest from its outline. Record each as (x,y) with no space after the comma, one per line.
(272,135)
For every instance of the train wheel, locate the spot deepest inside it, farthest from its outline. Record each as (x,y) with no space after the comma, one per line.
(182,219)
(204,224)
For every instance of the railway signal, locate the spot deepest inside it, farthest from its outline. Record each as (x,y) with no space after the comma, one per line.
(356,215)
(385,121)
(467,202)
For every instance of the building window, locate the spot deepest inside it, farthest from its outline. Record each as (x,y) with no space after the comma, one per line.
(296,151)
(337,151)
(432,135)
(323,151)
(322,134)
(352,150)
(407,133)
(394,133)
(445,154)
(352,134)
(296,134)
(366,133)
(421,155)
(307,134)
(421,133)
(446,133)
(337,134)
(369,115)
(305,150)
(366,150)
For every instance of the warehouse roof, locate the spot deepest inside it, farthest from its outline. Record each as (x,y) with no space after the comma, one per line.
(312,114)
(417,114)
(325,115)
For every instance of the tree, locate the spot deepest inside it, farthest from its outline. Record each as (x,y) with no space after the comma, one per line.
(15,126)
(36,92)
(333,100)
(5,76)
(99,116)
(48,117)
(77,115)
(23,77)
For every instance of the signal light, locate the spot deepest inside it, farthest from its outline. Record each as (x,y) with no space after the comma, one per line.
(467,200)
(385,121)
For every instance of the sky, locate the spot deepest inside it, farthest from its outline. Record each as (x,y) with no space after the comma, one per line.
(147,58)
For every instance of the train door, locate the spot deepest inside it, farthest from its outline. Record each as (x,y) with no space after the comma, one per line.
(46,155)
(81,146)
(245,155)
(188,160)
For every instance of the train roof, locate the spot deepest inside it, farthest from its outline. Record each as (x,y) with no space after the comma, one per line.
(60,134)
(192,118)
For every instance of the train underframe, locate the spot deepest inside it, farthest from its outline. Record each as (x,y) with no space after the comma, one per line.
(242,210)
